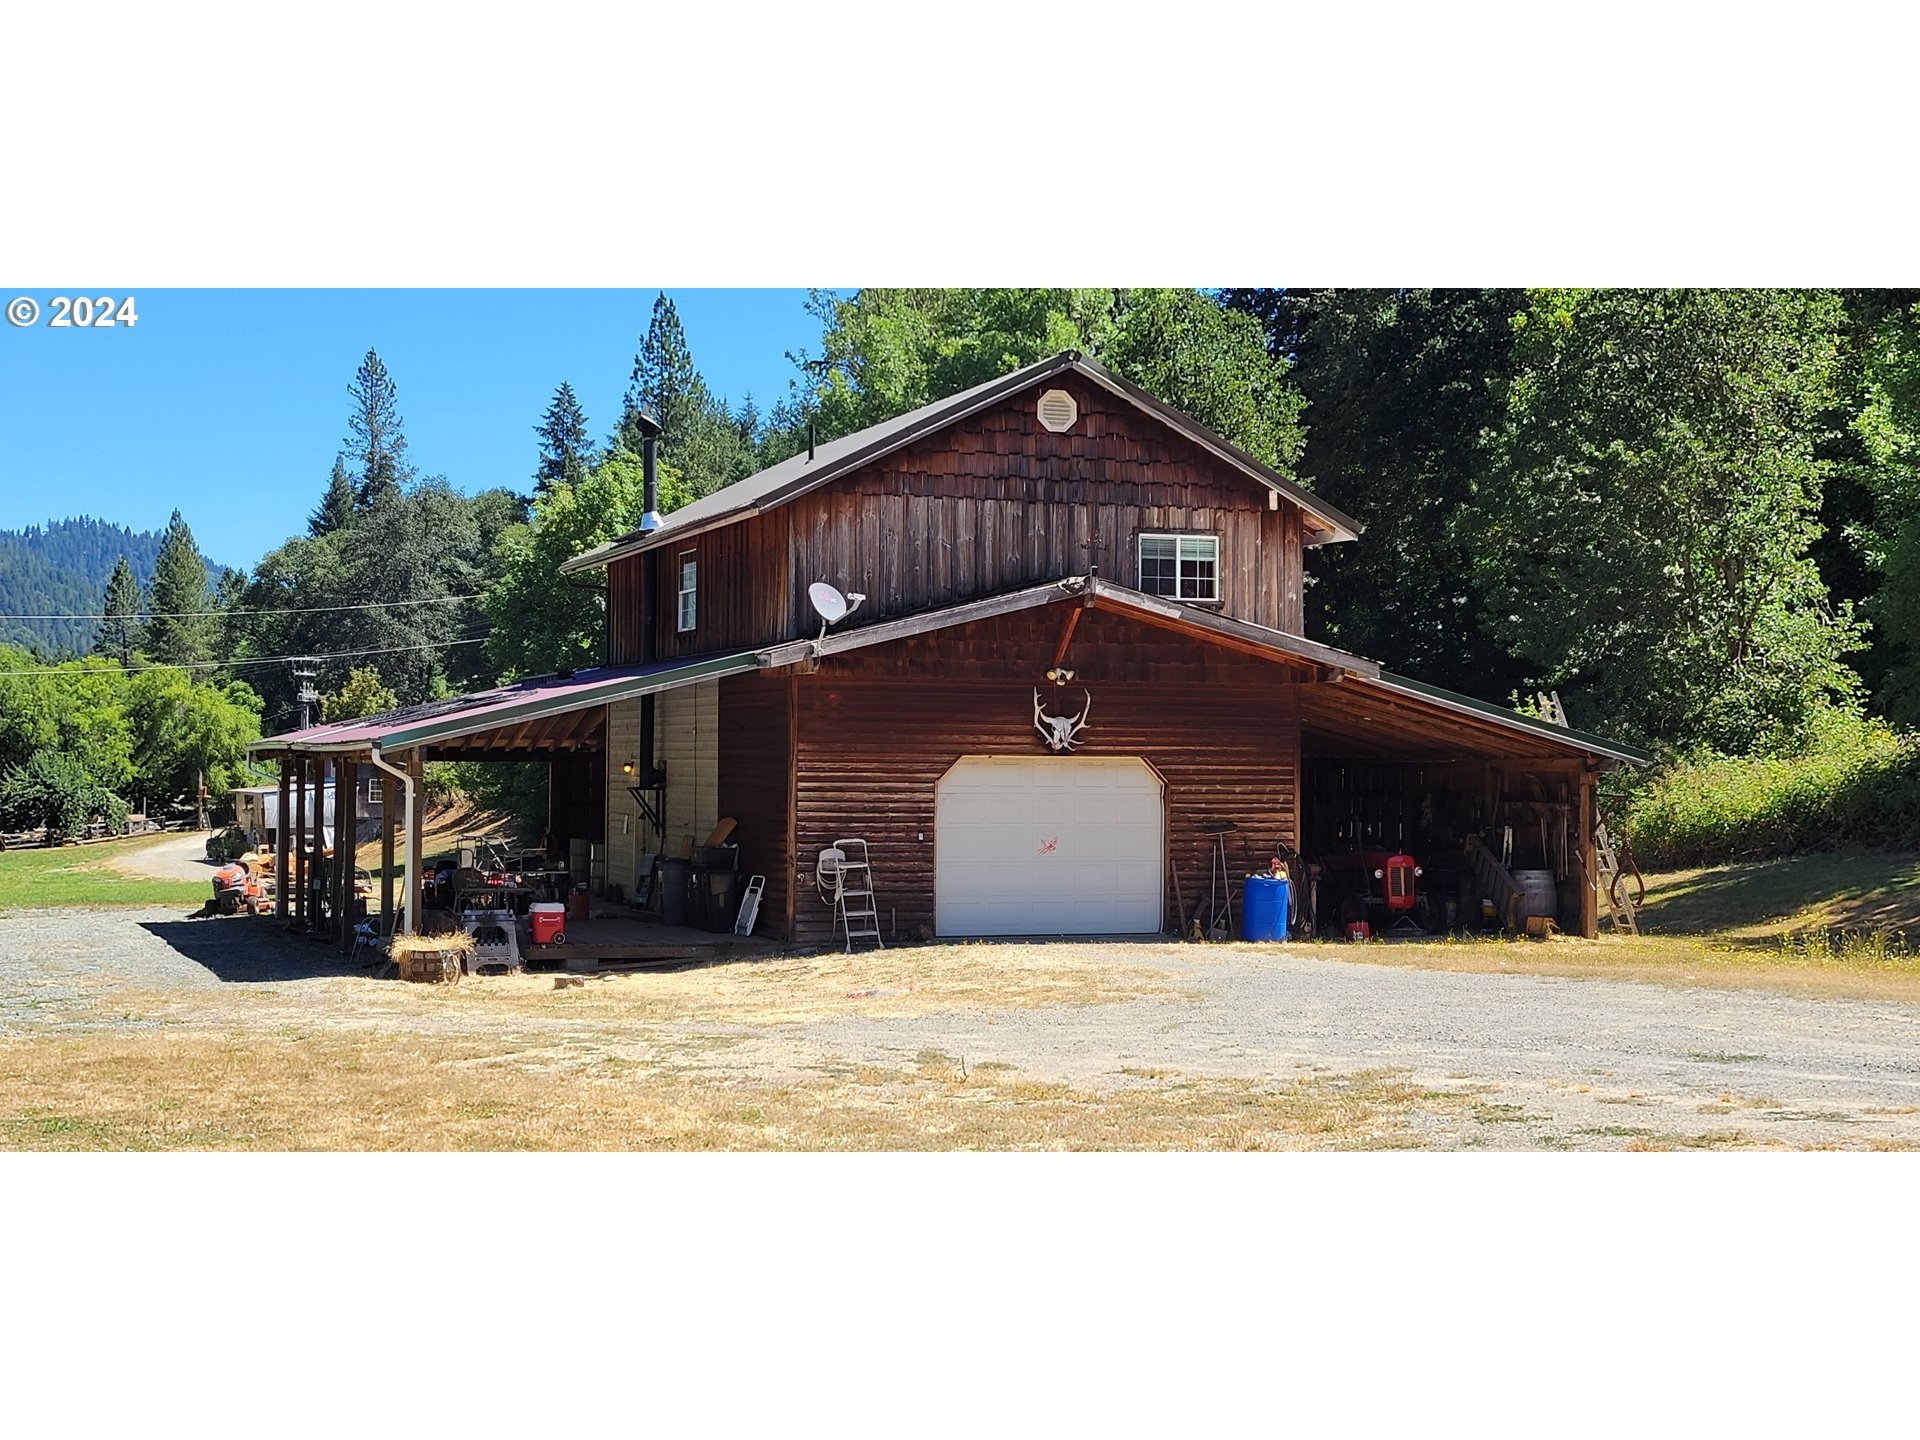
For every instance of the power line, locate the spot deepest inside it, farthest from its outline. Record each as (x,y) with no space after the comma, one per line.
(244,664)
(208,614)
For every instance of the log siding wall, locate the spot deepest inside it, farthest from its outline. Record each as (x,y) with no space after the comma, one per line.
(874,735)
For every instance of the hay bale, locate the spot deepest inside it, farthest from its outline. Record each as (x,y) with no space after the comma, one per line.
(430,958)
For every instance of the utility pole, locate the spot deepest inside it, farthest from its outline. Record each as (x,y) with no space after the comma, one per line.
(305,669)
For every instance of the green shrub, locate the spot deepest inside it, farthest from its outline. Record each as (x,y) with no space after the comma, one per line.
(54,789)
(1853,781)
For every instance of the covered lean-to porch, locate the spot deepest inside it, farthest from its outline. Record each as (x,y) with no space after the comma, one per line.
(575,724)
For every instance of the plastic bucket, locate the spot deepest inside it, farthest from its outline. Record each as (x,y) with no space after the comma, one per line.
(1263,908)
(549,920)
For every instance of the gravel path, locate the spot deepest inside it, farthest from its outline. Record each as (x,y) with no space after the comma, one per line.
(183,857)
(1543,1061)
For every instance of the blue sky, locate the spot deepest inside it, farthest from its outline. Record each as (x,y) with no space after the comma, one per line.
(230,404)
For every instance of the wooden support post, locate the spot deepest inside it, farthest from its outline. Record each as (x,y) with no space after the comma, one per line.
(390,797)
(1589,866)
(416,835)
(346,830)
(297,861)
(281,849)
(318,873)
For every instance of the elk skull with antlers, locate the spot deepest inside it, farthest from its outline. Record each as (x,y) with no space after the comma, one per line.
(1061,732)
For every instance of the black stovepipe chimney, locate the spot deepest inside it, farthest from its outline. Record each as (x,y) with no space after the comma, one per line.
(649,583)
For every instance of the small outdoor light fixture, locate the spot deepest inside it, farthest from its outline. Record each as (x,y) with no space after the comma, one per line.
(627,768)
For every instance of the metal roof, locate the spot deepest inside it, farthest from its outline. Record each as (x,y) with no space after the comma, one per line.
(533,699)
(440,720)
(1121,599)
(798,474)
(1513,719)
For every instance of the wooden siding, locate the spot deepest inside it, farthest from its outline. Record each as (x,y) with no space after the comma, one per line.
(999,502)
(875,730)
(687,732)
(628,836)
(742,594)
(989,505)
(756,787)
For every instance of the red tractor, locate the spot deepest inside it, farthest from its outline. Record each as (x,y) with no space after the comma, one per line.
(1378,885)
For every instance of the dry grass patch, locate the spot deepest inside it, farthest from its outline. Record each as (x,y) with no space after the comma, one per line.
(1689,960)
(412,1092)
(805,989)
(740,996)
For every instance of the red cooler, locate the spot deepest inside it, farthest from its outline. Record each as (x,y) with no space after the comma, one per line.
(549,920)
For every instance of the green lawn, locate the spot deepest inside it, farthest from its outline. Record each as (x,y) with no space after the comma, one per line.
(1757,903)
(80,875)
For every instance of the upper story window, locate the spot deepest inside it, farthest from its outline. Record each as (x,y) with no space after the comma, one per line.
(1180,567)
(689,592)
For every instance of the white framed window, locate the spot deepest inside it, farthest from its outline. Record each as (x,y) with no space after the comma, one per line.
(376,789)
(1180,567)
(689,592)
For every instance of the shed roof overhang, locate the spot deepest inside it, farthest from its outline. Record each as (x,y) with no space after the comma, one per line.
(550,714)
(1371,711)
(796,476)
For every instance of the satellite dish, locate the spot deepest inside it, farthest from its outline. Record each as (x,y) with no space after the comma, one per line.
(829,602)
(831,605)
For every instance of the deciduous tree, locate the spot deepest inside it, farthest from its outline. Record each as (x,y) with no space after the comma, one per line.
(361,694)
(1645,519)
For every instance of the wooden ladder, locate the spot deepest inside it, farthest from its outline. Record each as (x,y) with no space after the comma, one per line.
(853,895)
(1606,858)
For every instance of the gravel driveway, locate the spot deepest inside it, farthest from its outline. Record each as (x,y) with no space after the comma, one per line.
(184,857)
(1547,1062)
(1565,1061)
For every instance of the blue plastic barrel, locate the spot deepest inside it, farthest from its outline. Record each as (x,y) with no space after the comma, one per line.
(1263,909)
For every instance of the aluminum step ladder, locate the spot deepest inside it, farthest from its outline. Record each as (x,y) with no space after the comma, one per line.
(1605,858)
(853,904)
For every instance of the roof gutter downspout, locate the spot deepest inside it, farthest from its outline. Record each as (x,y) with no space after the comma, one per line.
(410,895)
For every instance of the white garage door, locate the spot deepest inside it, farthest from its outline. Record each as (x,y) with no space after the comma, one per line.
(1048,845)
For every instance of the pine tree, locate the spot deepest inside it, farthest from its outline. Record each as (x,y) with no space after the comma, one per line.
(566,453)
(699,436)
(176,635)
(120,631)
(336,506)
(664,378)
(374,434)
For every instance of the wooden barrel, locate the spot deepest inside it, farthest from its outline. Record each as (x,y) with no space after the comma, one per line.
(1539,895)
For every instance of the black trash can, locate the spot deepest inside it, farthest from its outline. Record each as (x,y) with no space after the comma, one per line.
(721,896)
(673,891)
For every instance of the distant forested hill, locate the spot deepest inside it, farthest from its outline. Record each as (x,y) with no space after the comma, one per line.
(62,568)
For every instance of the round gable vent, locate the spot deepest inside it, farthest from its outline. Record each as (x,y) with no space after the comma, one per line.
(1058,411)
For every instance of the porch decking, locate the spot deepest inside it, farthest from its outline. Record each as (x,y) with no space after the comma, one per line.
(620,941)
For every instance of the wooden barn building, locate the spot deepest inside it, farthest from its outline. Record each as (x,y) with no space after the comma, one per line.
(1075,679)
